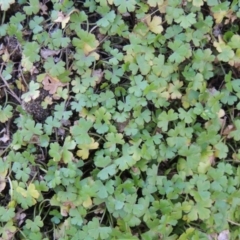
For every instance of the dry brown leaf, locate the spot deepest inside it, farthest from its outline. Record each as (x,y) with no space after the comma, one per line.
(227,130)
(99,74)
(231,17)
(51,84)
(45,53)
(44,9)
(20,217)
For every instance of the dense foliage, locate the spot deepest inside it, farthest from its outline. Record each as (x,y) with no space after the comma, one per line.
(119,119)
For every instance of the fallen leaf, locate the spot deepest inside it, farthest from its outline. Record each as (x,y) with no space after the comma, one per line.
(99,74)
(230,17)
(51,84)
(227,130)
(44,9)
(20,217)
(45,53)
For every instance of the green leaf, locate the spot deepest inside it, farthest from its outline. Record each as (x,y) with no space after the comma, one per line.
(95,231)
(35,24)
(181,51)
(115,75)
(112,140)
(30,129)
(31,50)
(35,225)
(6,214)
(50,124)
(107,20)
(186,21)
(55,69)
(58,40)
(125,6)
(165,117)
(107,172)
(21,170)
(62,153)
(236,133)
(221,150)
(33,8)
(80,131)
(187,116)
(76,216)
(138,85)
(33,92)
(128,159)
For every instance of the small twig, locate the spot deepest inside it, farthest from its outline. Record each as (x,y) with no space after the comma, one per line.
(234,223)
(6,83)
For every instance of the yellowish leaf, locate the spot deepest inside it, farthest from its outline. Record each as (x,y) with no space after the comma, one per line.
(87,203)
(32,191)
(22,191)
(162,7)
(218,16)
(6,56)
(220,45)
(155,25)
(2,180)
(84,152)
(221,113)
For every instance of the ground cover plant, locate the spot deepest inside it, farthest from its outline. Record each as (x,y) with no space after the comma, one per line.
(119,119)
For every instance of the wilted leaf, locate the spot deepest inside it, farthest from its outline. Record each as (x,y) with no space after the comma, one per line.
(45,53)
(51,84)
(3,180)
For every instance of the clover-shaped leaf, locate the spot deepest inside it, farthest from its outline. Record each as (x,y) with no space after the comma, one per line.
(154,24)
(5,113)
(84,149)
(33,92)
